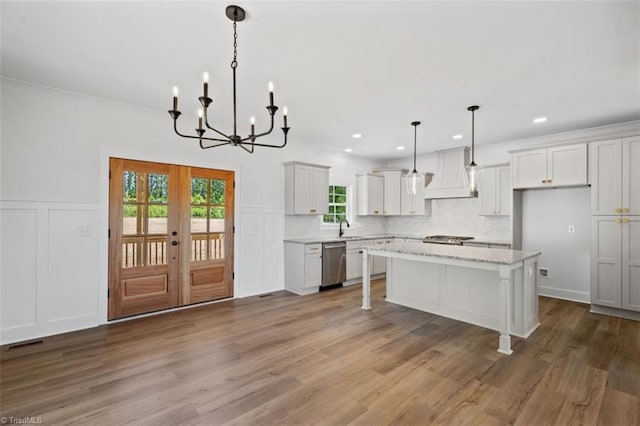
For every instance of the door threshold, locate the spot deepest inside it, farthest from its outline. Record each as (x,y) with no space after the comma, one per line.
(165,311)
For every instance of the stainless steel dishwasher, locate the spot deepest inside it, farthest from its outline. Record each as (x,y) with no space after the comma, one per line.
(334,263)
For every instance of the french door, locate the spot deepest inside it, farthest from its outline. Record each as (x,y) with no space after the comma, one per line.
(170,236)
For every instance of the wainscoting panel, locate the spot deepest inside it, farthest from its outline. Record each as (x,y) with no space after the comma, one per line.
(261,252)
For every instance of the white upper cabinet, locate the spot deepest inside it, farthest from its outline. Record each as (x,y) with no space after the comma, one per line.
(615,176)
(411,204)
(564,165)
(494,191)
(392,191)
(370,194)
(306,188)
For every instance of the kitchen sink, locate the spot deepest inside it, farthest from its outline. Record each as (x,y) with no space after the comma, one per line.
(351,237)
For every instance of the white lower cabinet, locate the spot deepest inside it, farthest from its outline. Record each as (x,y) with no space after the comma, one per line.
(303,267)
(615,262)
(380,263)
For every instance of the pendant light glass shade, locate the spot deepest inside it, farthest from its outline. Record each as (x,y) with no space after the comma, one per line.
(415,179)
(472,167)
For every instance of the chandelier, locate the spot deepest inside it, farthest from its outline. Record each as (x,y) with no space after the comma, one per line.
(248,143)
(415,179)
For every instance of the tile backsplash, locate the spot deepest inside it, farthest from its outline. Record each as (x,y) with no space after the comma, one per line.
(455,216)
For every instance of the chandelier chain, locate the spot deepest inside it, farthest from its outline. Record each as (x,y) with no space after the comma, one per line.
(234,63)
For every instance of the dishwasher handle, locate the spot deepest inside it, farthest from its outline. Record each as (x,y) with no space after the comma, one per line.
(336,245)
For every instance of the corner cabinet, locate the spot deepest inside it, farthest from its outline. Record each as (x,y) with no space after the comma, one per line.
(306,188)
(494,191)
(370,194)
(551,167)
(303,267)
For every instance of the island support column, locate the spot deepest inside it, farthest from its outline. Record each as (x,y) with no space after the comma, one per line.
(504,303)
(366,281)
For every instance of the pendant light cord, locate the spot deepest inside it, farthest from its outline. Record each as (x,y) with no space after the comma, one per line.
(473,135)
(415,137)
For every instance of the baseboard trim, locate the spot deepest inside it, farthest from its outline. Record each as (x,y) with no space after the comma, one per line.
(559,293)
(614,312)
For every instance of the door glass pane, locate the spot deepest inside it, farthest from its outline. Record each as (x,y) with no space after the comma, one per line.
(158,188)
(133,219)
(199,191)
(158,219)
(130,186)
(157,250)
(217,192)
(216,246)
(198,219)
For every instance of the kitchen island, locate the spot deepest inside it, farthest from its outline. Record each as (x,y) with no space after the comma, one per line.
(492,288)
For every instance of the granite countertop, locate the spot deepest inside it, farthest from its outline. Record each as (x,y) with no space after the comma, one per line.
(474,254)
(318,240)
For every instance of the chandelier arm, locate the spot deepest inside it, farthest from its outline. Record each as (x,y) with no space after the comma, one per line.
(250,151)
(206,123)
(212,146)
(267,132)
(175,128)
(265,145)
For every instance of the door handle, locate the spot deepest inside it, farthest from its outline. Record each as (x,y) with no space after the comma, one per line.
(174,243)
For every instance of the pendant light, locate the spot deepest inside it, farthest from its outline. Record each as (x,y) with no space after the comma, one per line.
(414,179)
(472,168)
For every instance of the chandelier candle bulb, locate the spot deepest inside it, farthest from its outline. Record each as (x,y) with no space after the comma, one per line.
(205,79)
(252,120)
(200,118)
(271,93)
(284,115)
(175,98)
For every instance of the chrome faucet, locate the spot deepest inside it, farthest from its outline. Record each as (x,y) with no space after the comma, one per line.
(341,231)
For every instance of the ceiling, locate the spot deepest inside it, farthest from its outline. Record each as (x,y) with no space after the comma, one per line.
(345,67)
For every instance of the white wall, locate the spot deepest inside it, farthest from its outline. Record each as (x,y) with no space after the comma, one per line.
(546,216)
(54,156)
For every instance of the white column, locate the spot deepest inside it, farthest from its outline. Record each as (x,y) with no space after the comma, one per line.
(366,281)
(504,309)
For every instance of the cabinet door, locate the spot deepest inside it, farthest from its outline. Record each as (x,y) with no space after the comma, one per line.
(379,263)
(606,252)
(567,165)
(312,270)
(391,191)
(354,263)
(529,169)
(487,192)
(631,263)
(631,175)
(319,190)
(303,188)
(606,177)
(375,195)
(504,191)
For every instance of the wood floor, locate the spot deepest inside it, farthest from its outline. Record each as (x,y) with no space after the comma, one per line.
(320,359)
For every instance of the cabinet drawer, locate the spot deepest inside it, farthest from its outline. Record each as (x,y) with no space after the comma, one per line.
(312,248)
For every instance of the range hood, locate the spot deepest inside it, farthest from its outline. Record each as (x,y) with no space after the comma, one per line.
(450,179)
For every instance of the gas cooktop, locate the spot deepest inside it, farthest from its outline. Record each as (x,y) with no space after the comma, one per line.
(446,239)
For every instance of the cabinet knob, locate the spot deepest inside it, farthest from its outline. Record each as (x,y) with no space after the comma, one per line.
(618,210)
(618,221)
(375,211)
(625,220)
(625,210)
(312,210)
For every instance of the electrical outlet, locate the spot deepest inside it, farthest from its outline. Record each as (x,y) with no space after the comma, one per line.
(572,229)
(83,231)
(543,272)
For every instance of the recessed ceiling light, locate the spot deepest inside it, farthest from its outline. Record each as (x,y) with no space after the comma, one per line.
(539,120)
(348,150)
(356,136)
(400,148)
(458,136)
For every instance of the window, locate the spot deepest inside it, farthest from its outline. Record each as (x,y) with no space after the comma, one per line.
(337,204)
